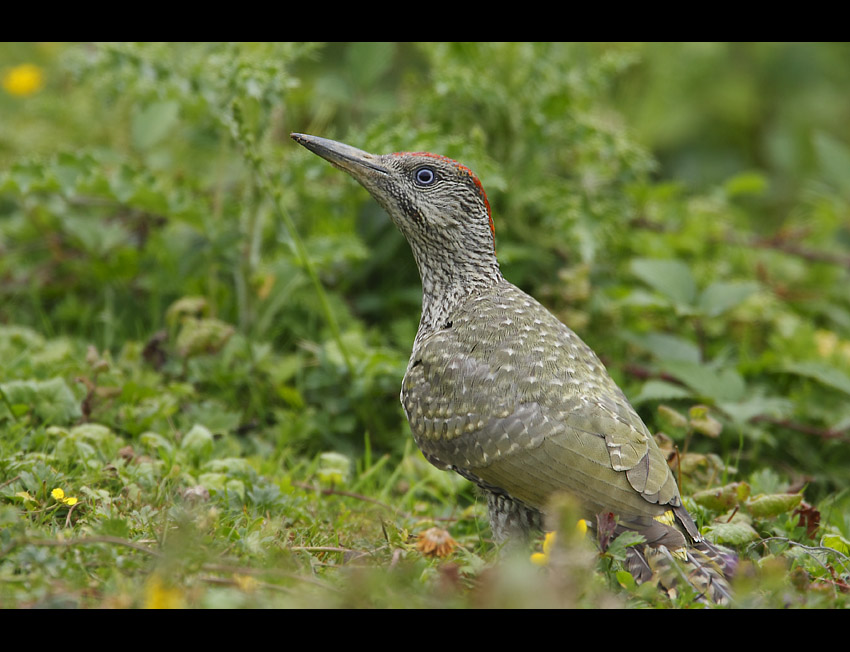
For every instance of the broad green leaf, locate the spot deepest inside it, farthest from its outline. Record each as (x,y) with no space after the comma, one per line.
(213,481)
(735,533)
(721,296)
(722,498)
(746,183)
(665,346)
(833,159)
(821,372)
(671,419)
(672,278)
(724,384)
(155,441)
(51,400)
(753,406)
(199,336)
(199,440)
(836,542)
(617,548)
(660,390)
(152,123)
(626,580)
(773,504)
(701,421)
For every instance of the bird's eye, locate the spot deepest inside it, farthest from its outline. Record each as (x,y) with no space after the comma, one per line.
(424,176)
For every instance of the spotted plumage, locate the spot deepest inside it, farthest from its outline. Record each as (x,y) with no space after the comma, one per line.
(500,391)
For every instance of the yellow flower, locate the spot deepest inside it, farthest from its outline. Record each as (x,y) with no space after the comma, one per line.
(826,342)
(246,582)
(59,494)
(159,595)
(23,80)
(542,558)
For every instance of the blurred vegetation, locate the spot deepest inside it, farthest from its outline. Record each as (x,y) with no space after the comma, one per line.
(203,327)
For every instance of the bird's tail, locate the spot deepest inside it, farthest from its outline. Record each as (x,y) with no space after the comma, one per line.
(706,567)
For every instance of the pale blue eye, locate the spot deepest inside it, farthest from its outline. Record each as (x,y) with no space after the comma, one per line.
(425,176)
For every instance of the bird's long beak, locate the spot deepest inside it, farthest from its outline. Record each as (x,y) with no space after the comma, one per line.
(350,159)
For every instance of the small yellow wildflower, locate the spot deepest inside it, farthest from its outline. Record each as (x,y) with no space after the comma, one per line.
(826,342)
(25,79)
(158,595)
(59,494)
(542,558)
(246,582)
(829,344)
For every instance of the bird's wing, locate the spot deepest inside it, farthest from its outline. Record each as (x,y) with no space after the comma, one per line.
(511,397)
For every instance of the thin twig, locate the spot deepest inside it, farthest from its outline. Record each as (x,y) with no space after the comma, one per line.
(115,541)
(17,477)
(823,433)
(226,581)
(273,572)
(339,492)
(811,549)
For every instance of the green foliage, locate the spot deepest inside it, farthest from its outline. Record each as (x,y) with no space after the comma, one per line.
(203,328)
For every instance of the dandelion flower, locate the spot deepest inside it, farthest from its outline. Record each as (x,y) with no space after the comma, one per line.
(25,79)
(435,542)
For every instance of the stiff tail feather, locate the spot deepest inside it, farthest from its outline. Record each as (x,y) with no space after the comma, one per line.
(705,567)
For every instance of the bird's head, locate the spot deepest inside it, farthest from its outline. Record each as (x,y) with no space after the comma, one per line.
(437,203)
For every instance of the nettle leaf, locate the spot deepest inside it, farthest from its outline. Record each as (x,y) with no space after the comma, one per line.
(672,278)
(773,504)
(735,533)
(51,400)
(722,498)
(619,546)
(198,336)
(198,440)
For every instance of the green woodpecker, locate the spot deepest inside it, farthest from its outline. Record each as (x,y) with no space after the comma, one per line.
(500,391)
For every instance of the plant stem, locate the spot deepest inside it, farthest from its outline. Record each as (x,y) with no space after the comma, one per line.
(246,141)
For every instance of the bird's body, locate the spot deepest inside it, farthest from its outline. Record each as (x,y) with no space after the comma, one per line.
(500,391)
(511,398)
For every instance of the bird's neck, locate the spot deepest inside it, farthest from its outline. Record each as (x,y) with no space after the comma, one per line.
(447,284)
